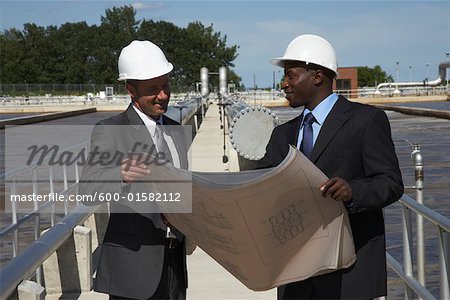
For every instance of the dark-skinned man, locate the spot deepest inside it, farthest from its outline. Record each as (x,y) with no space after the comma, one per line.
(351,143)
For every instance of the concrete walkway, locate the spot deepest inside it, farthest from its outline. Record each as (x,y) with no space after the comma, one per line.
(207,147)
(207,279)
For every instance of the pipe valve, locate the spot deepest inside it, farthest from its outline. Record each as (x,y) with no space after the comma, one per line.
(417,158)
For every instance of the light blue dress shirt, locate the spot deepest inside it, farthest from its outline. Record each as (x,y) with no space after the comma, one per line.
(320,112)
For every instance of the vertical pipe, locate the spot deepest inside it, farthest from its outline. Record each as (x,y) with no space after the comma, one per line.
(204,81)
(195,123)
(418,164)
(407,249)
(223,80)
(444,257)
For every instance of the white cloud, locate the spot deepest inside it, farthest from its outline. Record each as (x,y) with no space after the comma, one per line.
(376,33)
(147,6)
(414,36)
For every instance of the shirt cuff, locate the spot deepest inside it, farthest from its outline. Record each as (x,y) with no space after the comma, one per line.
(348,204)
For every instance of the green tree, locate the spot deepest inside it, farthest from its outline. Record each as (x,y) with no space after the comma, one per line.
(11,56)
(117,29)
(189,49)
(79,53)
(74,47)
(33,56)
(167,36)
(372,76)
(202,47)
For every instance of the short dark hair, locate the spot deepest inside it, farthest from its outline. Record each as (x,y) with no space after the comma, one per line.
(133,82)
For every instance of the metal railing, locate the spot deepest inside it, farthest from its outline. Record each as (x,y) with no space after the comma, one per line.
(416,285)
(32,258)
(364,92)
(35,89)
(26,263)
(251,96)
(11,178)
(73,100)
(389,91)
(405,272)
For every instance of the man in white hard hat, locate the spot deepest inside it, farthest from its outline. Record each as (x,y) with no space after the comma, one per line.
(141,256)
(351,143)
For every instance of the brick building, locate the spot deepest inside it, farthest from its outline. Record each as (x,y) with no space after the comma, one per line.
(347,80)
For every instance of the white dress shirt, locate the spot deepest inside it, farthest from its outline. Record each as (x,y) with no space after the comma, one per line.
(150,124)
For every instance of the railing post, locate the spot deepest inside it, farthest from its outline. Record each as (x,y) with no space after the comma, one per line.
(30,290)
(417,158)
(407,249)
(77,172)
(444,257)
(37,219)
(66,187)
(52,191)
(15,235)
(68,270)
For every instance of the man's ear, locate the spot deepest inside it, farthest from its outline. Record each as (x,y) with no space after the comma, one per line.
(319,77)
(131,90)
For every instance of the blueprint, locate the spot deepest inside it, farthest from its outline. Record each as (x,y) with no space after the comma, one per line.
(268,227)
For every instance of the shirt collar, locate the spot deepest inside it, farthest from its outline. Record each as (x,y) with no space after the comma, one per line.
(321,111)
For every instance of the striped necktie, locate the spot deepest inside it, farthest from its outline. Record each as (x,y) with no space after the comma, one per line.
(307,142)
(161,144)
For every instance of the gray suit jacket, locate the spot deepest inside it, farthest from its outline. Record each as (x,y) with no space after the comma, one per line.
(355,144)
(132,254)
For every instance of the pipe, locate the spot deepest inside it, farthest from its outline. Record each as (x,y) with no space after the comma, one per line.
(183,111)
(442,70)
(417,158)
(441,78)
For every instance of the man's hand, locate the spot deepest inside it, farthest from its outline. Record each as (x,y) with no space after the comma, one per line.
(338,189)
(132,170)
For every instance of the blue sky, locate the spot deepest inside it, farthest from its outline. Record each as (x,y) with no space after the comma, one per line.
(363,33)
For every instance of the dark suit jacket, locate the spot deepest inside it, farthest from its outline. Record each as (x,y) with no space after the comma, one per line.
(355,144)
(132,254)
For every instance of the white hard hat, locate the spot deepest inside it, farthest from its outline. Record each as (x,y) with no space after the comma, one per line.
(309,48)
(142,60)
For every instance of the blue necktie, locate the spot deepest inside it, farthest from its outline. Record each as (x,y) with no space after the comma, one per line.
(307,142)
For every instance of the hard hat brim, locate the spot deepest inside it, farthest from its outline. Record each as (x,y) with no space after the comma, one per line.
(147,76)
(278,61)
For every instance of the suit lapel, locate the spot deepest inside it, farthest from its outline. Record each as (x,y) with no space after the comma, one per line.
(133,118)
(137,130)
(334,121)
